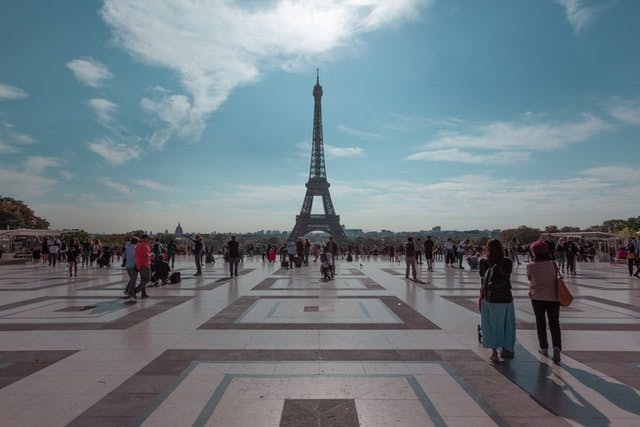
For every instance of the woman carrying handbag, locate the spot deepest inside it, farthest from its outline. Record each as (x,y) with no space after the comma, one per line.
(542,274)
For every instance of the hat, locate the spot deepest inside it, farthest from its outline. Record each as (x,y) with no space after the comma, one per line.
(539,248)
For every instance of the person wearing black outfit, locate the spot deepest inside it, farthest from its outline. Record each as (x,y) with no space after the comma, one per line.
(234,256)
(410,258)
(198,247)
(428,253)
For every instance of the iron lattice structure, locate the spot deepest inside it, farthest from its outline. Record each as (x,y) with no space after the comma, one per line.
(318,184)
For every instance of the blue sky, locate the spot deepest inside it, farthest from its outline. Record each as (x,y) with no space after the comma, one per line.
(118,115)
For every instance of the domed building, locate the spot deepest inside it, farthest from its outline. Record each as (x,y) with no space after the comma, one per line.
(179,231)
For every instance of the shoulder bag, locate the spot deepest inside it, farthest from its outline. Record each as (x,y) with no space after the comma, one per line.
(564,295)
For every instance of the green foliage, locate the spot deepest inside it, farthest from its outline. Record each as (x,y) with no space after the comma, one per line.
(524,235)
(80,235)
(16,214)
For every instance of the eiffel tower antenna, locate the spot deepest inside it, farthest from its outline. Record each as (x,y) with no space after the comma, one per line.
(317,185)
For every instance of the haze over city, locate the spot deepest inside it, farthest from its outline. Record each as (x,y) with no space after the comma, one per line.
(117,115)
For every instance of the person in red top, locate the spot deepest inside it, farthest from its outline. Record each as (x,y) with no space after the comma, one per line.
(143,264)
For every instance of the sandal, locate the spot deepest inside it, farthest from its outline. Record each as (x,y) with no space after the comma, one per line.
(494,358)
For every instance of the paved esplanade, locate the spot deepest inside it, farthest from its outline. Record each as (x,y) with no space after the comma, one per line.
(275,347)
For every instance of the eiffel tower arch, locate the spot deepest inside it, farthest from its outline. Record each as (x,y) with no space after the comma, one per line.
(318,185)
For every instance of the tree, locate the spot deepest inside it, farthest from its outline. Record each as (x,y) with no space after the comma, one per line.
(523,234)
(16,214)
(551,229)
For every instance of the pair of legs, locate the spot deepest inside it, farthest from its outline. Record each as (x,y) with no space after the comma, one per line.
(130,290)
(73,268)
(411,264)
(429,258)
(145,277)
(233,266)
(198,260)
(571,265)
(630,264)
(548,310)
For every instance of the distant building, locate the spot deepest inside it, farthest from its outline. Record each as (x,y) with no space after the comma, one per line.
(179,231)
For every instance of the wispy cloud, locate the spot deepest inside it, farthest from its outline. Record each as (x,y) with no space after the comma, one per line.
(89,71)
(25,184)
(120,188)
(578,15)
(21,138)
(333,151)
(175,115)
(66,175)
(498,141)
(473,157)
(247,39)
(104,109)
(358,133)
(114,153)
(6,148)
(37,164)
(8,92)
(627,111)
(152,185)
(613,173)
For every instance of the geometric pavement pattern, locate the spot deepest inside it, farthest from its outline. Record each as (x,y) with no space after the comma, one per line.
(277,347)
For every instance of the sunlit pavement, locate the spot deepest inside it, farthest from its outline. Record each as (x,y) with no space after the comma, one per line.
(278,347)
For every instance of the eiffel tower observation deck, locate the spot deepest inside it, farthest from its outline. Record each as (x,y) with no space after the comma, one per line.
(318,185)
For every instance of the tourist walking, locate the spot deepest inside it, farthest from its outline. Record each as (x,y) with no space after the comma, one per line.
(636,246)
(542,273)
(291,252)
(130,267)
(513,251)
(571,252)
(631,257)
(496,304)
(234,256)
(143,264)
(410,258)
(561,255)
(172,250)
(73,253)
(428,253)
(198,248)
(54,248)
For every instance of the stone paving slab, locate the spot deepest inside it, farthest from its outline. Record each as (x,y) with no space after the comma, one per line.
(284,347)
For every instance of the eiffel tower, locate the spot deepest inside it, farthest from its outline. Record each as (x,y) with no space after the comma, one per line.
(317,184)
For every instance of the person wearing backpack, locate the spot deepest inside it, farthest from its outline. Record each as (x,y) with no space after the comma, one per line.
(496,306)
(542,273)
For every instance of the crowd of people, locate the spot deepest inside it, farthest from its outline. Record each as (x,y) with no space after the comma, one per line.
(546,260)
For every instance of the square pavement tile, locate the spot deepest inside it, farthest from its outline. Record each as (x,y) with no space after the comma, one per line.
(81,313)
(348,312)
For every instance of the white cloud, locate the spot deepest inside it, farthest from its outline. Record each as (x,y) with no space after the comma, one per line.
(626,111)
(21,138)
(522,135)
(11,92)
(120,188)
(6,148)
(24,184)
(89,71)
(104,109)
(217,46)
(358,133)
(460,156)
(176,114)
(152,185)
(66,175)
(37,164)
(613,173)
(578,15)
(112,152)
(333,151)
